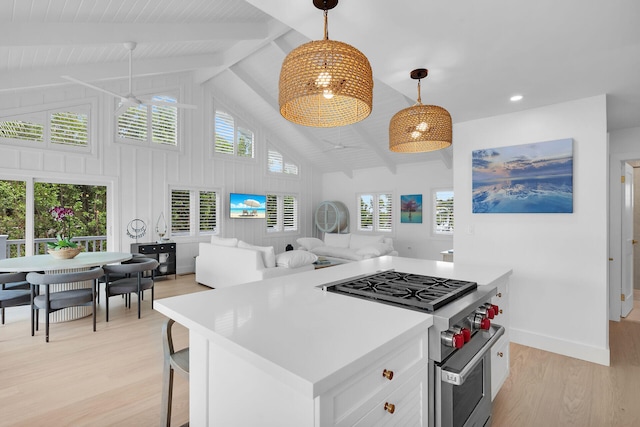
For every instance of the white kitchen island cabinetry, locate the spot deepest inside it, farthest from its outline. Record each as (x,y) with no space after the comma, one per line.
(283,352)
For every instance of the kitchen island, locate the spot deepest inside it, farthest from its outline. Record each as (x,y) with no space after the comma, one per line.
(283,352)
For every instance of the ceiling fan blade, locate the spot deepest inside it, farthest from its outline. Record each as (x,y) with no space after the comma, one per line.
(89,85)
(168,104)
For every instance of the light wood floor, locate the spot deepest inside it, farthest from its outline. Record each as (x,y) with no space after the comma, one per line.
(113,376)
(83,378)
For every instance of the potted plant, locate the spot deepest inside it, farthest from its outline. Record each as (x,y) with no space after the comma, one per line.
(63,247)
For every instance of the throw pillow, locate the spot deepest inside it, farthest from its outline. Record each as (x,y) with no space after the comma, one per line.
(359,241)
(221,241)
(295,259)
(268,253)
(309,243)
(337,240)
(374,250)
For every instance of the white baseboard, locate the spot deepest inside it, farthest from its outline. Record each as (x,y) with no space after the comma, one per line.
(555,345)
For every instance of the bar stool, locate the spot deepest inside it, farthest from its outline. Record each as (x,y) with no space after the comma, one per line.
(173,361)
(54,301)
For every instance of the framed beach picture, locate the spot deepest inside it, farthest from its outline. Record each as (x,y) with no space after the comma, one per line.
(530,178)
(411,209)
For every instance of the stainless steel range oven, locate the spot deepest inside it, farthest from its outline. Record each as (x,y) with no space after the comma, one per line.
(459,340)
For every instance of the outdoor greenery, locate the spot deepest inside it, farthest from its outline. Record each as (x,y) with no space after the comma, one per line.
(13,208)
(65,127)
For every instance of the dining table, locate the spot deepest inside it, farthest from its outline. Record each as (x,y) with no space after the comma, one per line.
(49,264)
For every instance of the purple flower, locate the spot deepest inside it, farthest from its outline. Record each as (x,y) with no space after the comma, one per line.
(59,213)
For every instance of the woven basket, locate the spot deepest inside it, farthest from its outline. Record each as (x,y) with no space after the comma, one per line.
(65,253)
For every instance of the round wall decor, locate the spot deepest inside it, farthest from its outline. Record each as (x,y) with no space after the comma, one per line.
(332,217)
(136,228)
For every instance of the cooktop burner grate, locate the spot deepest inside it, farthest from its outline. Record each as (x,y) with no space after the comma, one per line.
(406,289)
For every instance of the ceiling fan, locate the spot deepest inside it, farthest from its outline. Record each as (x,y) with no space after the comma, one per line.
(129,100)
(340,146)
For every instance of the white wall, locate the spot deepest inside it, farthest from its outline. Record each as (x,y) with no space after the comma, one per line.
(139,176)
(558,290)
(410,240)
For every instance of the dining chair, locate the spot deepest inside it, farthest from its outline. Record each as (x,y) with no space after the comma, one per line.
(116,276)
(137,283)
(15,291)
(174,361)
(57,300)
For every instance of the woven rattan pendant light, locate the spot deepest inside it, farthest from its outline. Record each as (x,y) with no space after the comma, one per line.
(325,83)
(421,127)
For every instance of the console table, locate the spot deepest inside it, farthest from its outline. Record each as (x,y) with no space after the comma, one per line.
(164,253)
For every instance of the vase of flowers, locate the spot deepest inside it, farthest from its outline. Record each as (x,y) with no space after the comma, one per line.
(63,247)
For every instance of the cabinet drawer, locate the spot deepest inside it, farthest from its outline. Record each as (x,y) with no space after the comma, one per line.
(499,364)
(348,399)
(169,247)
(149,249)
(410,403)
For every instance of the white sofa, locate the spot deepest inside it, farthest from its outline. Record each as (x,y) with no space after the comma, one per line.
(228,262)
(347,246)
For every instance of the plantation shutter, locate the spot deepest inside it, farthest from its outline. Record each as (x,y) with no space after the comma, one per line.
(365,219)
(225,131)
(291,169)
(164,121)
(22,130)
(69,128)
(208,213)
(180,212)
(290,213)
(132,124)
(274,161)
(444,212)
(272,213)
(385,212)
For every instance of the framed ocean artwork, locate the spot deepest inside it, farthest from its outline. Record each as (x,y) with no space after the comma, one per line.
(411,209)
(529,178)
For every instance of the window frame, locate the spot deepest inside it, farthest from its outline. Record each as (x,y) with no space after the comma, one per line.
(375,226)
(433,211)
(240,126)
(280,227)
(172,92)
(42,114)
(195,229)
(286,161)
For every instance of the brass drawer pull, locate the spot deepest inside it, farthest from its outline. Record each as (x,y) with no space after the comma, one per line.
(500,354)
(389,407)
(387,374)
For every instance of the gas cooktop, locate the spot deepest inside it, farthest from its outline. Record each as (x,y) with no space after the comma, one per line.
(426,293)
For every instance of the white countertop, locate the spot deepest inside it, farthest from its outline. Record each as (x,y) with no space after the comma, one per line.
(308,338)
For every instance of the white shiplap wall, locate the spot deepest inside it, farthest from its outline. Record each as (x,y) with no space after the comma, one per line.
(139,176)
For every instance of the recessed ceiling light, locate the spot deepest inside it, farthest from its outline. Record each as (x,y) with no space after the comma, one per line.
(516,98)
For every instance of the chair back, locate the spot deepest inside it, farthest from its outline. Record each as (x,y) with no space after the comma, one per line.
(134,265)
(56,278)
(6,278)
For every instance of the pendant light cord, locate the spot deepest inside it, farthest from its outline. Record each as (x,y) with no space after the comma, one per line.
(419,98)
(326,22)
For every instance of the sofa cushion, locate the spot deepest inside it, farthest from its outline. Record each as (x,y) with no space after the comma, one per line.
(337,240)
(222,241)
(377,249)
(332,251)
(295,259)
(359,241)
(309,243)
(268,253)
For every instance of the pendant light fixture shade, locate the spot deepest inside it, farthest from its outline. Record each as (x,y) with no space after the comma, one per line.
(420,128)
(325,83)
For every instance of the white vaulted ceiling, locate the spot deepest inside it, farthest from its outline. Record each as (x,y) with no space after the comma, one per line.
(478,55)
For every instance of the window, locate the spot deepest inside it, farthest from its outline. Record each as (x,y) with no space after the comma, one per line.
(276,163)
(443,212)
(150,123)
(62,126)
(232,139)
(376,212)
(282,213)
(194,212)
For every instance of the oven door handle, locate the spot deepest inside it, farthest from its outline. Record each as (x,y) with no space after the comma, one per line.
(458,378)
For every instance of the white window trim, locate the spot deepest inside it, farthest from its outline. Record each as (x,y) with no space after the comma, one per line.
(375,228)
(286,159)
(194,213)
(280,230)
(432,214)
(176,92)
(238,122)
(90,105)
